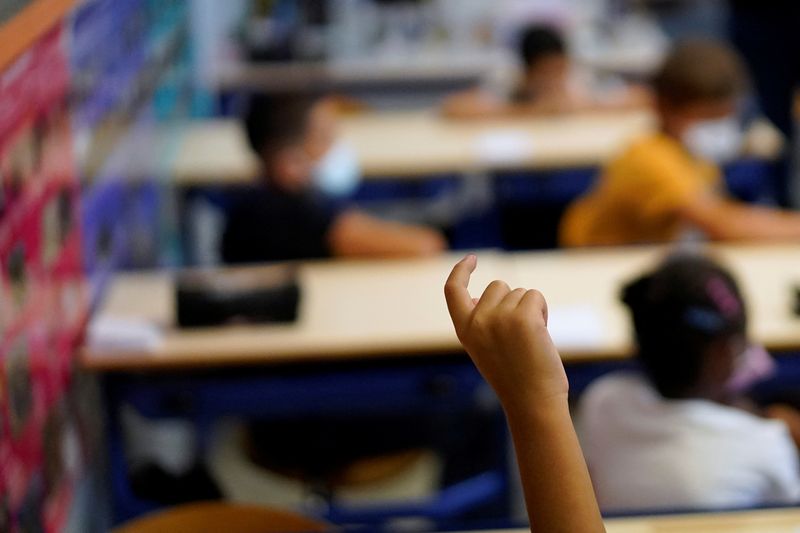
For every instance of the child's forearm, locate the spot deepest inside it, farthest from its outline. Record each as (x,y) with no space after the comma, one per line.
(548,450)
(727,220)
(505,334)
(757,222)
(356,234)
(789,416)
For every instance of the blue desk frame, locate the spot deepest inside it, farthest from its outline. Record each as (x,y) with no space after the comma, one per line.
(430,386)
(440,386)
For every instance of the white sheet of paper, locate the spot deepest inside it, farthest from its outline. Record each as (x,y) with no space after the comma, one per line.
(504,147)
(123,334)
(575,326)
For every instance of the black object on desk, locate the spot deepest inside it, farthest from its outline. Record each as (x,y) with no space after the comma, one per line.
(257,295)
(796,300)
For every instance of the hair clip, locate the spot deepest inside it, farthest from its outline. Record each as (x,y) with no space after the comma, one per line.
(723,297)
(703,319)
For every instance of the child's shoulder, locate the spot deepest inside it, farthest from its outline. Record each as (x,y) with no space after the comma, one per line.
(631,387)
(619,387)
(654,159)
(630,393)
(654,147)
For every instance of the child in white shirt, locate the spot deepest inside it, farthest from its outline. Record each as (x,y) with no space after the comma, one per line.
(672,437)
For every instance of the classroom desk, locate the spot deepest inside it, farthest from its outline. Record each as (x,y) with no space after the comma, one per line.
(416,144)
(765,521)
(368,309)
(419,144)
(348,309)
(374,337)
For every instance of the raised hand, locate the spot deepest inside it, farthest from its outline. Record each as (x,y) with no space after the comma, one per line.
(505,334)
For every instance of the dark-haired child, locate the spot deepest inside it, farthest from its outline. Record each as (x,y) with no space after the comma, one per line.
(287,217)
(546,84)
(671,436)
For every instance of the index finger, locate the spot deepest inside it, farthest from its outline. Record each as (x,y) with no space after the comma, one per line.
(456,292)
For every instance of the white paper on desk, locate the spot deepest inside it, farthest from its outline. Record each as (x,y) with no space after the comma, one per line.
(123,334)
(504,147)
(576,326)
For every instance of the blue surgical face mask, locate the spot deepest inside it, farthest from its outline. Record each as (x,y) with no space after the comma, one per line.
(718,141)
(337,173)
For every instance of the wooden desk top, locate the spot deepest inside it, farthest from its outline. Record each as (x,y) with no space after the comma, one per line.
(348,309)
(214,152)
(592,280)
(766,521)
(417,144)
(409,144)
(362,309)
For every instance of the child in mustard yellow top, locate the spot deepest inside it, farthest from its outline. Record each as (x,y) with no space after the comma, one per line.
(668,182)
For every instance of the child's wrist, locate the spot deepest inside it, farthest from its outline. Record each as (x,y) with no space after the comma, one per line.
(536,407)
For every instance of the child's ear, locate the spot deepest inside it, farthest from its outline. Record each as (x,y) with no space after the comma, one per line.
(291,167)
(279,164)
(674,120)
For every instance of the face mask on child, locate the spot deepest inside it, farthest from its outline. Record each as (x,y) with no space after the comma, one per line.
(717,140)
(337,173)
(752,366)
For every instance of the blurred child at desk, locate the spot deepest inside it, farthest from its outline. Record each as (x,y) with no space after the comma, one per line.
(547,85)
(288,217)
(668,184)
(678,435)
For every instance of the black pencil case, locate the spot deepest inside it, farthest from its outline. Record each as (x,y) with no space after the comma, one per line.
(263,295)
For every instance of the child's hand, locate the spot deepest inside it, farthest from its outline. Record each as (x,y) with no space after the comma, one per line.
(505,334)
